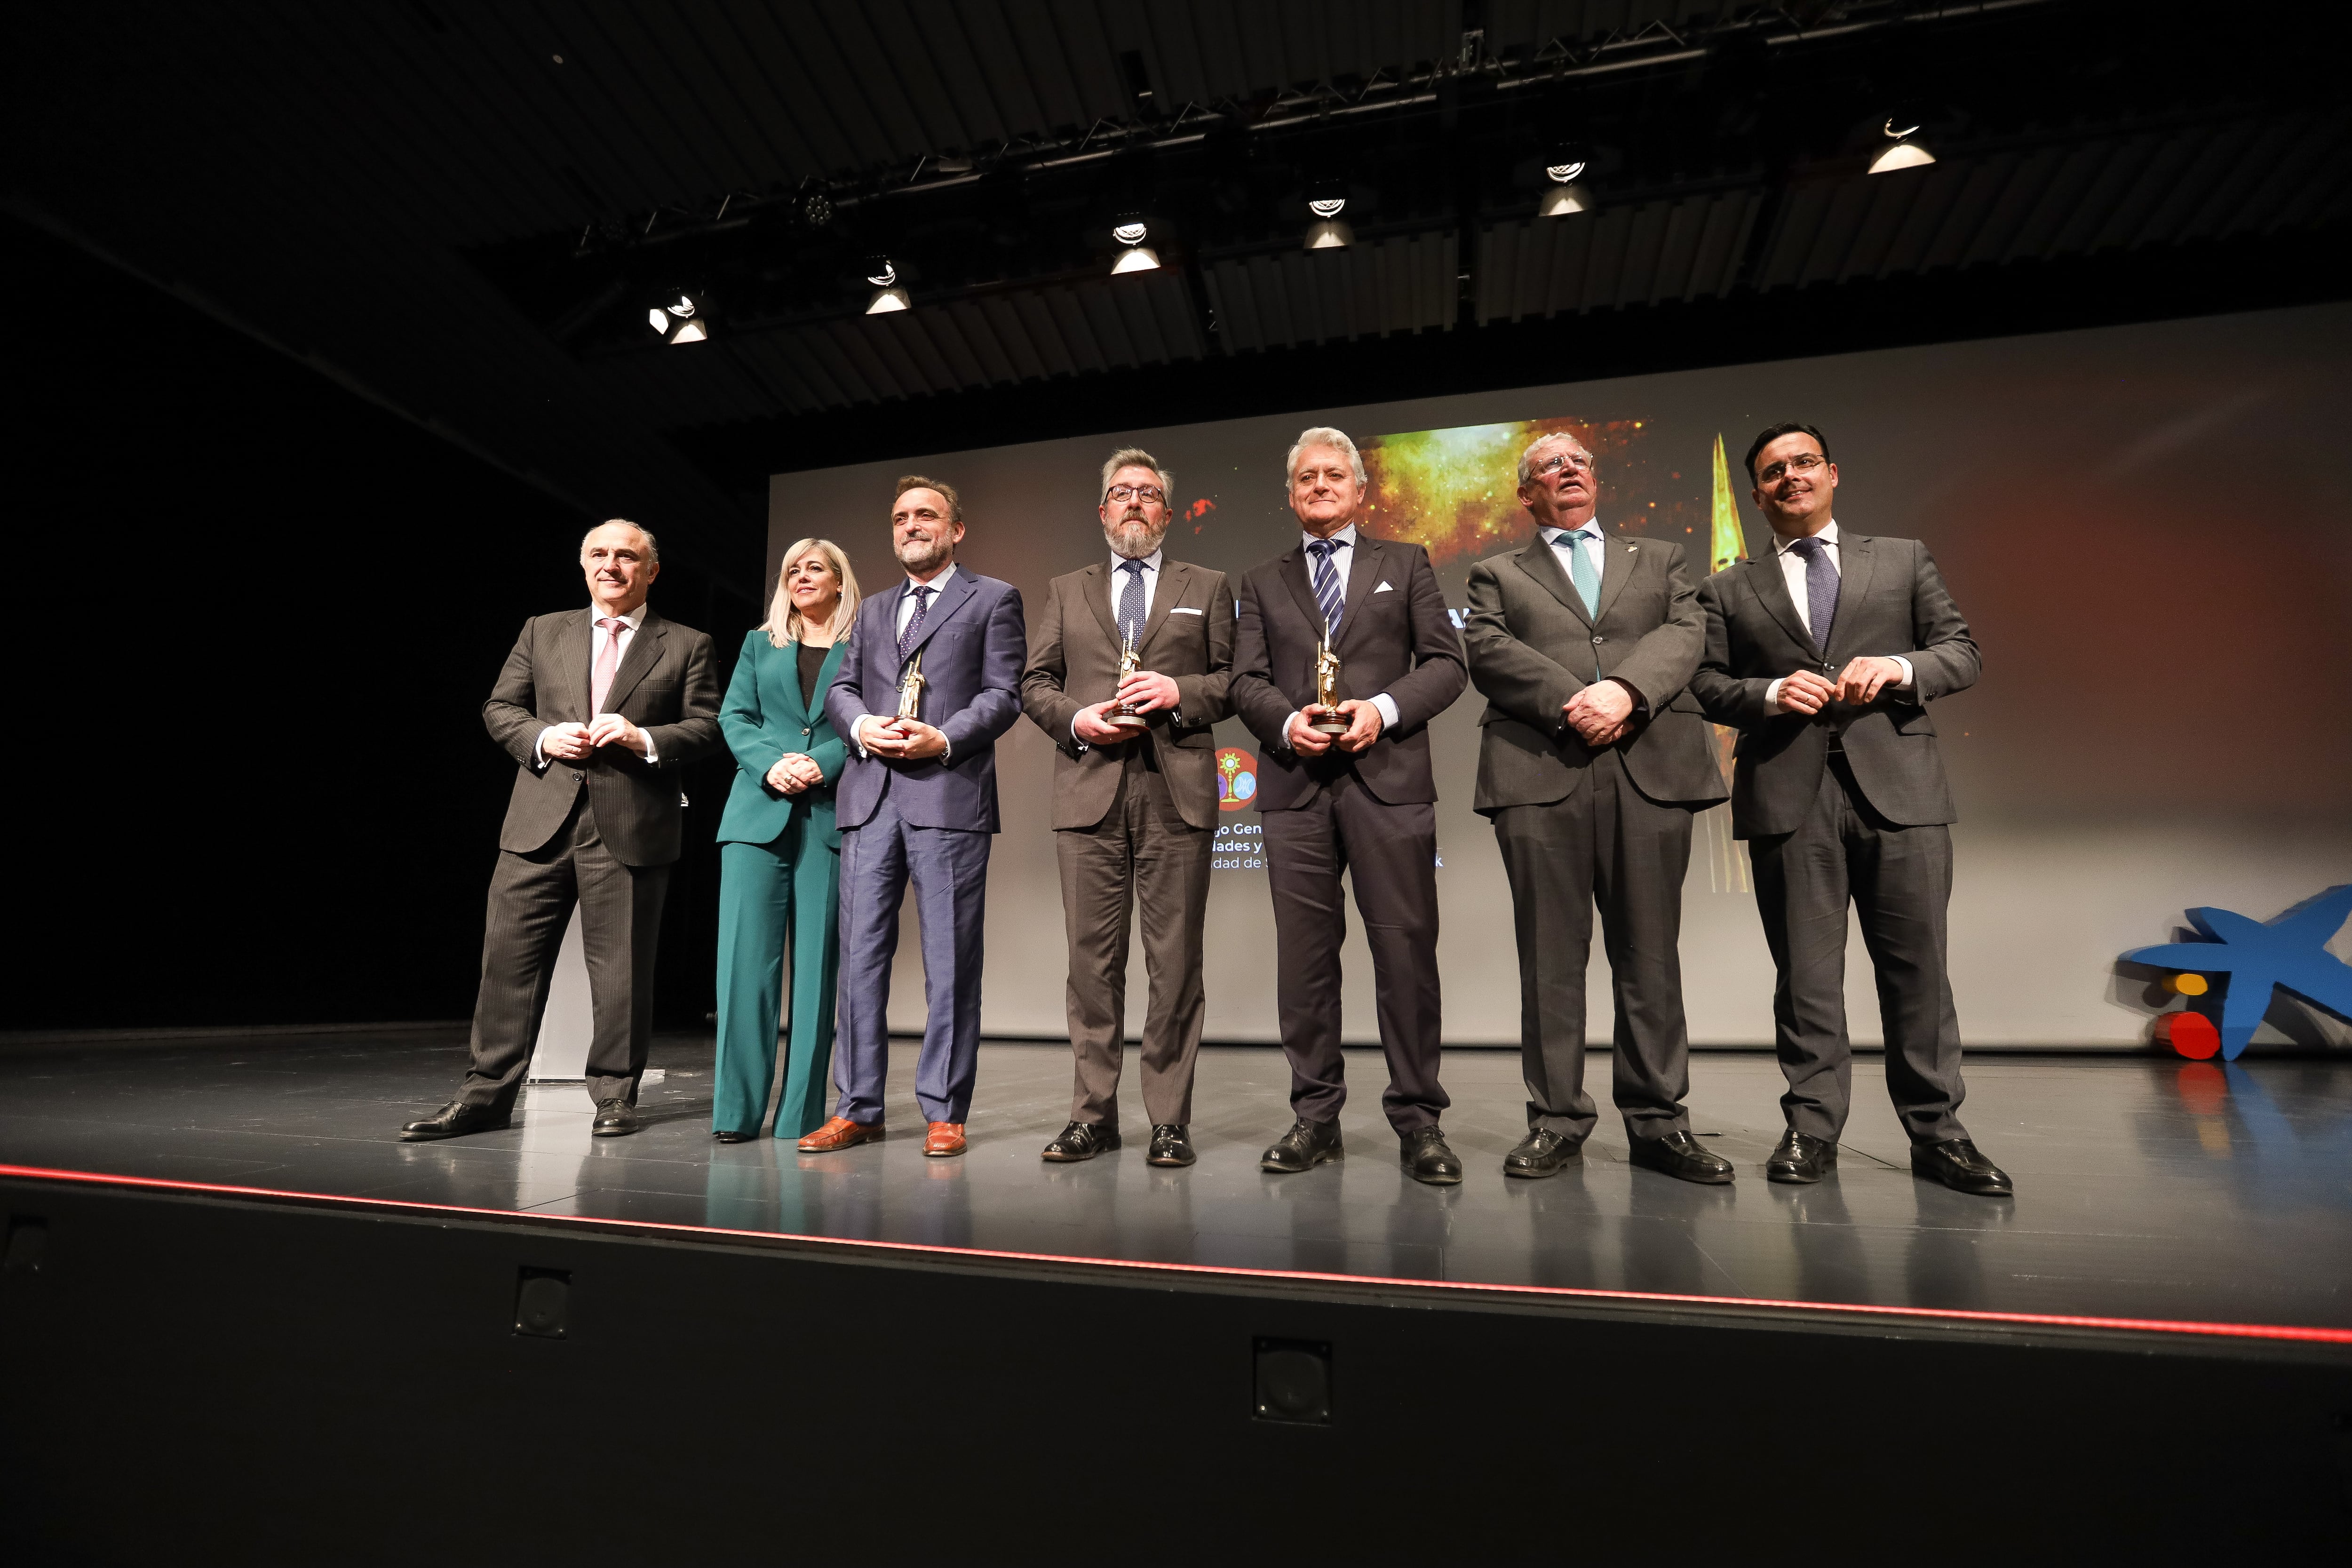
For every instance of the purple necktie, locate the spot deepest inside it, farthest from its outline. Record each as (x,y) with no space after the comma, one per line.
(1821,590)
(915,622)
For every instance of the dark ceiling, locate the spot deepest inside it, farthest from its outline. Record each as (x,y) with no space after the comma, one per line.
(464,211)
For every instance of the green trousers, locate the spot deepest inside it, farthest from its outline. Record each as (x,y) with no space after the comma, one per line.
(765,890)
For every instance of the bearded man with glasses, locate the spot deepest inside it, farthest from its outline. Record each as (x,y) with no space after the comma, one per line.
(1135,798)
(1825,655)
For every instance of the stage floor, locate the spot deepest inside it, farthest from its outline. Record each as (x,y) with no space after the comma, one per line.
(2146,1188)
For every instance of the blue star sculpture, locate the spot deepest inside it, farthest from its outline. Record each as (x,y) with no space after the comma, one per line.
(2289,952)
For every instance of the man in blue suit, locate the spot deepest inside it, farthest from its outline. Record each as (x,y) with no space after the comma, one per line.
(916,803)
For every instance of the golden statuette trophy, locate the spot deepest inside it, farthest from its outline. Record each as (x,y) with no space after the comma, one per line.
(1326,718)
(910,688)
(1118,715)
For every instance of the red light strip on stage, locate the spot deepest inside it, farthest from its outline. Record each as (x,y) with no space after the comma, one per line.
(1645,1297)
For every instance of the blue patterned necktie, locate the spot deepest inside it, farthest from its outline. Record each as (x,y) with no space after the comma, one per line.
(1130,605)
(915,622)
(1581,571)
(1821,590)
(1328,592)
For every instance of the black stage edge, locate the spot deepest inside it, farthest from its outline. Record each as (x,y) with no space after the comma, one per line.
(205,1376)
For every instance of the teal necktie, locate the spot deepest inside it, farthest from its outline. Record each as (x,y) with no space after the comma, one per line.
(1581,571)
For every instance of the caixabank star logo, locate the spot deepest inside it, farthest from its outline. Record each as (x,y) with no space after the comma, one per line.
(1236,778)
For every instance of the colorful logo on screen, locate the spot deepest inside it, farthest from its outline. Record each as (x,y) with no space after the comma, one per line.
(1236,778)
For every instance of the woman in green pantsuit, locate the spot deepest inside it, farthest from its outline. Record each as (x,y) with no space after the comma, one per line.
(779,853)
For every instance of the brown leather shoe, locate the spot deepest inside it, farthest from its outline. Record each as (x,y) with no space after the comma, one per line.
(945,1138)
(841,1133)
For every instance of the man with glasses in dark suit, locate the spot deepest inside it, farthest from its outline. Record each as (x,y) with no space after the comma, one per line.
(1824,654)
(1591,760)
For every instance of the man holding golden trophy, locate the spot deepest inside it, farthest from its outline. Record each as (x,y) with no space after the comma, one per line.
(1130,664)
(1345,786)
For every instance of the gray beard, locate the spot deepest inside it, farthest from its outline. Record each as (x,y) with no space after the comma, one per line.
(1125,544)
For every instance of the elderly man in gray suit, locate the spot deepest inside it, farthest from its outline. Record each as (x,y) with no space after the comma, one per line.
(916,806)
(1825,655)
(1134,807)
(1591,760)
(600,709)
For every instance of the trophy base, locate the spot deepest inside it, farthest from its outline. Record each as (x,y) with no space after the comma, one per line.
(1134,723)
(1331,724)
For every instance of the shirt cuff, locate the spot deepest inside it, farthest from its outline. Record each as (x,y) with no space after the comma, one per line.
(1907,680)
(652,753)
(1286,724)
(1387,705)
(1772,695)
(1081,745)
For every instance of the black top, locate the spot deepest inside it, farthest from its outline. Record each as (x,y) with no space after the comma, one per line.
(812,661)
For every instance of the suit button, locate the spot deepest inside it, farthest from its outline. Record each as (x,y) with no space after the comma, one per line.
(1598,641)
(804,730)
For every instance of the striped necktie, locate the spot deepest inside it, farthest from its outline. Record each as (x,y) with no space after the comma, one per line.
(1328,592)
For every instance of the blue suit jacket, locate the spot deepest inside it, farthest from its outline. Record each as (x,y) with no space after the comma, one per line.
(973,645)
(762,719)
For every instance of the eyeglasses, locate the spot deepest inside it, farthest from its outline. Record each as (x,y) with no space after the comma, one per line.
(1803,463)
(1578,461)
(1125,493)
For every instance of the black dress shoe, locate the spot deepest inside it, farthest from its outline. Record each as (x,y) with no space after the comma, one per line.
(615,1118)
(1801,1158)
(728,1135)
(1956,1163)
(1171,1145)
(1426,1158)
(1679,1154)
(1542,1153)
(1305,1146)
(456,1120)
(1081,1141)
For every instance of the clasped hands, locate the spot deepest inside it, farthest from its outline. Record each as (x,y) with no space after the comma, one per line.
(573,742)
(908,740)
(1364,724)
(1600,714)
(1860,682)
(1145,692)
(793,773)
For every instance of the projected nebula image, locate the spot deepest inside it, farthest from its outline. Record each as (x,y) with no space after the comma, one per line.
(1453,492)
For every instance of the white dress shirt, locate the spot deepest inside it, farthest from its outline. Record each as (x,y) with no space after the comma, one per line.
(899,624)
(1792,573)
(629,625)
(1587,539)
(1342,559)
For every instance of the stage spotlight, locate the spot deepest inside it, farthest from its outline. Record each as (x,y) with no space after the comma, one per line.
(686,320)
(1138,257)
(1905,153)
(1328,232)
(888,295)
(1566,196)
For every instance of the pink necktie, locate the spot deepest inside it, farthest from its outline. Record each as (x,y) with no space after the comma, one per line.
(608,660)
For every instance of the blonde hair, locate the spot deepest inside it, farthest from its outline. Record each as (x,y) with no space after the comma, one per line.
(785,623)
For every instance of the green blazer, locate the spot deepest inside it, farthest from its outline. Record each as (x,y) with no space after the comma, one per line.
(762,718)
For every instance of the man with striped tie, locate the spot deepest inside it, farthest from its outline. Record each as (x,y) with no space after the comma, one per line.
(1824,654)
(1591,760)
(1362,802)
(917,807)
(1135,799)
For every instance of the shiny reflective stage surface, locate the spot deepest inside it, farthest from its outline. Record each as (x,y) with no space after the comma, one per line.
(2146,1188)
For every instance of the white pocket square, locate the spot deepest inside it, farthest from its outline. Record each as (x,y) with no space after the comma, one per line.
(1182,610)
(1384,589)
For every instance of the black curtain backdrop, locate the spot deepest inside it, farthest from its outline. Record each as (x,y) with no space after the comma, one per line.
(252,784)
